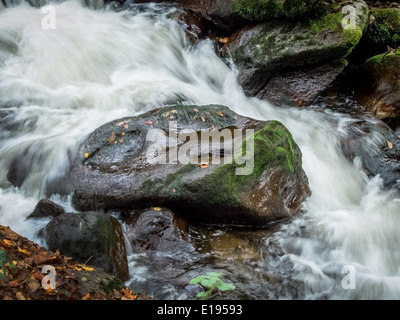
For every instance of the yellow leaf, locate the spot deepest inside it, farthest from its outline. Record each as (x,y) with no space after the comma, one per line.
(87,268)
(124,123)
(7,243)
(24,251)
(221,114)
(123,133)
(77,268)
(112,137)
(203,119)
(157,208)
(223,40)
(174,111)
(86,155)
(196,110)
(390,145)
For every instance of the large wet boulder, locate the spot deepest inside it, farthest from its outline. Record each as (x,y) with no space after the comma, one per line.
(158,229)
(378,149)
(271,49)
(378,85)
(122,166)
(90,237)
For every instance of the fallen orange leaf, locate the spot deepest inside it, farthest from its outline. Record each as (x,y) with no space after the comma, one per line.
(128,294)
(112,137)
(24,251)
(157,208)
(204,165)
(86,155)
(148,122)
(390,145)
(7,243)
(221,114)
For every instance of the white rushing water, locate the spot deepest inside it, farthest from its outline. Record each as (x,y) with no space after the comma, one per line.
(57,86)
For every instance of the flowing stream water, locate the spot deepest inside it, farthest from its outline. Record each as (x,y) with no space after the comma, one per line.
(100,64)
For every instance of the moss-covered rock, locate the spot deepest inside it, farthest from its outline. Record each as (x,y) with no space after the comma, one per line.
(262,51)
(90,236)
(385,28)
(158,229)
(264,10)
(115,170)
(378,85)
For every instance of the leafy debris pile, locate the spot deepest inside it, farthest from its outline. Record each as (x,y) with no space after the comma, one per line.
(22,263)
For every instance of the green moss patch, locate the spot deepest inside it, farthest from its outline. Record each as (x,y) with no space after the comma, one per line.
(385,30)
(273,147)
(380,58)
(264,10)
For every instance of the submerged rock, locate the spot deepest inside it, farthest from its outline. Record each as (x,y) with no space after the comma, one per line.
(90,236)
(384,159)
(158,229)
(378,85)
(119,168)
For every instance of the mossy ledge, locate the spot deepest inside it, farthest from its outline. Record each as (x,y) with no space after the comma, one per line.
(264,10)
(381,58)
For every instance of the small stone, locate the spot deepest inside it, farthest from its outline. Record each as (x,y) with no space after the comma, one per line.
(46,208)
(20,296)
(33,285)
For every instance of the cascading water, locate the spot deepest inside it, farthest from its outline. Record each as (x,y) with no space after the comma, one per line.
(57,86)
